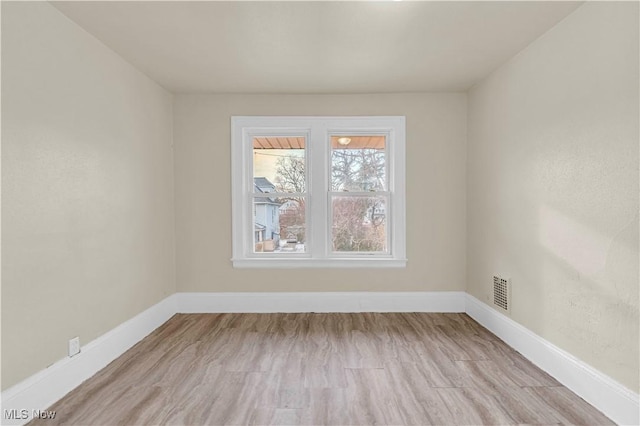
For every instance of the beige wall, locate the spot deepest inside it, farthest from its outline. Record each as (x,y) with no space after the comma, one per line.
(436,136)
(550,171)
(553,186)
(87,187)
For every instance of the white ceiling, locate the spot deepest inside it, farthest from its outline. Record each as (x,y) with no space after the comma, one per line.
(316,47)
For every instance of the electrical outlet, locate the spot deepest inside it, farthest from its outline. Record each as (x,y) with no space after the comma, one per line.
(74,346)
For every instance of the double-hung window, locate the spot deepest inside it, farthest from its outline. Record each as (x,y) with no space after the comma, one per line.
(318,191)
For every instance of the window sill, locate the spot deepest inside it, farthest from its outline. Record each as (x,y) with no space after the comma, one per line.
(319,263)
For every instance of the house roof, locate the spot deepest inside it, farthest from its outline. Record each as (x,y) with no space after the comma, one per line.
(263,184)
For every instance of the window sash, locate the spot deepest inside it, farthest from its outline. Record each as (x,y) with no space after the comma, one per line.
(386,196)
(249,245)
(363,132)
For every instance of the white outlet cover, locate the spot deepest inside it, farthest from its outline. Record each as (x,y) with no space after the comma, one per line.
(74,346)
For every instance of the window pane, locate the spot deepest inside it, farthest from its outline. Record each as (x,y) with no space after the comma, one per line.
(279,164)
(359,224)
(358,163)
(279,225)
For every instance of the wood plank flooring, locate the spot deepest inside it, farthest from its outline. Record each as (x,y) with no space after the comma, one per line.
(322,369)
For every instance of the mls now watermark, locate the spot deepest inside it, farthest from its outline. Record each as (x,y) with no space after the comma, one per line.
(24,414)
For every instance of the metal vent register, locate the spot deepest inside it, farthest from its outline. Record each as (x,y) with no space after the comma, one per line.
(501,293)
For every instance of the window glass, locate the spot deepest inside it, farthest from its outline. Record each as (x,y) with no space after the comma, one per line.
(279,164)
(279,219)
(359,224)
(358,163)
(279,225)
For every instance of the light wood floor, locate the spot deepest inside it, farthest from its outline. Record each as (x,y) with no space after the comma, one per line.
(314,369)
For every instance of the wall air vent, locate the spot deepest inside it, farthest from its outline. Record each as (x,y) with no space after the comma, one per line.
(502,293)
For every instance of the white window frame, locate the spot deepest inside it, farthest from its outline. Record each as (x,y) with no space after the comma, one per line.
(318,131)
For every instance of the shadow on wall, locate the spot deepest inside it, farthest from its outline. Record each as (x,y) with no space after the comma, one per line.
(585,276)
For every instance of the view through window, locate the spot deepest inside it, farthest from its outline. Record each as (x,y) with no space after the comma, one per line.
(328,190)
(358,171)
(279,177)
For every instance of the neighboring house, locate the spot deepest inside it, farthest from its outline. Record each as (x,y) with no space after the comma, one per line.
(289,207)
(266,217)
(292,220)
(375,214)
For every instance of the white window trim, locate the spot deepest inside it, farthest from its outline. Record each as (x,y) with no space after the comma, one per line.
(317,130)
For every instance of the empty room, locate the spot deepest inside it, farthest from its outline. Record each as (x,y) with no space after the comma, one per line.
(320,213)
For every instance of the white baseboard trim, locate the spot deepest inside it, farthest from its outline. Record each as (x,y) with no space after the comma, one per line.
(44,388)
(41,390)
(453,301)
(610,397)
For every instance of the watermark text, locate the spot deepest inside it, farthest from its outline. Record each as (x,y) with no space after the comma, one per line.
(24,414)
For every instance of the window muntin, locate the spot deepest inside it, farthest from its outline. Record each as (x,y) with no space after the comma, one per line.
(364,177)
